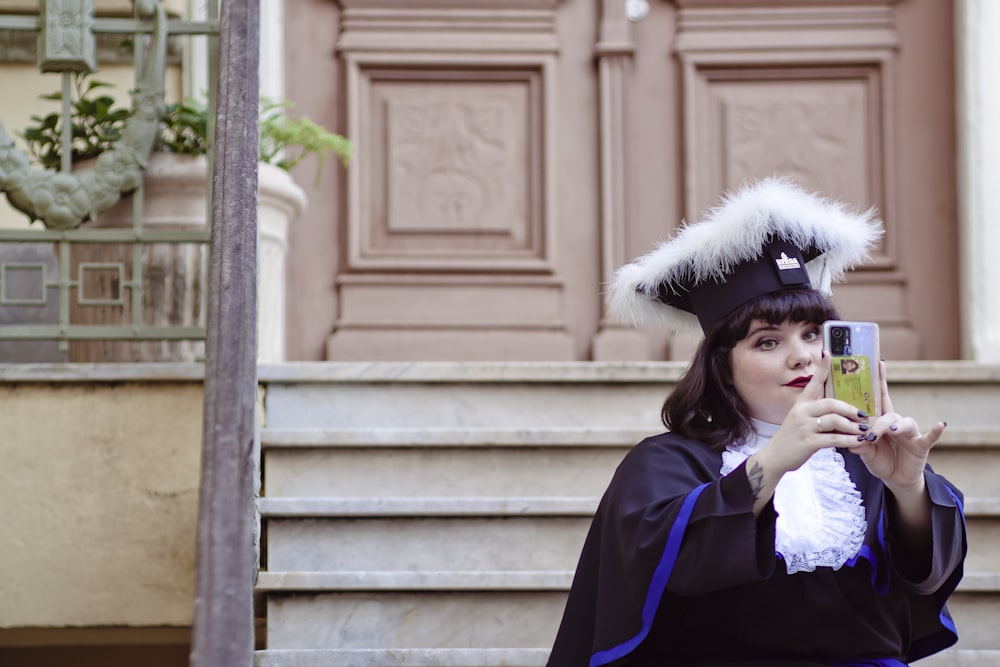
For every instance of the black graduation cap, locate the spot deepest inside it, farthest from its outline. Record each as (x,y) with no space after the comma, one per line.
(769,236)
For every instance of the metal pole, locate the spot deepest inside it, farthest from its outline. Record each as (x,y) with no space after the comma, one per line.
(223,613)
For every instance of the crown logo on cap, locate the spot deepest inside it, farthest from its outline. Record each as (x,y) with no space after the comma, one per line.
(786,263)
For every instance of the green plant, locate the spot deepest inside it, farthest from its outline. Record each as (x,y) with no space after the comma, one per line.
(184,129)
(96,123)
(286,141)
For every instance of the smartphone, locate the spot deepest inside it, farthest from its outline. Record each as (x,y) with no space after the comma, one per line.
(854,357)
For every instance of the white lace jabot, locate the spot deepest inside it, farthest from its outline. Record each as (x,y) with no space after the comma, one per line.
(821,518)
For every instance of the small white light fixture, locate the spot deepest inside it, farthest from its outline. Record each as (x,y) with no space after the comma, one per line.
(636,10)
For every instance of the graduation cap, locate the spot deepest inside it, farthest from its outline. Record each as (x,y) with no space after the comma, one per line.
(768,236)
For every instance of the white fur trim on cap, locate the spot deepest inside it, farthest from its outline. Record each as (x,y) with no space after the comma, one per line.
(734,232)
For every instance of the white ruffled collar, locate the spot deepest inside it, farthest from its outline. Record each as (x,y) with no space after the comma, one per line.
(821,516)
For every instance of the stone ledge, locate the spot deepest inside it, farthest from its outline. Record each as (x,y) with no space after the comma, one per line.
(960,658)
(485,580)
(376,437)
(980,582)
(947,372)
(526,657)
(596,372)
(453,437)
(982,507)
(469,372)
(423,580)
(123,372)
(381,507)
(303,508)
(464,657)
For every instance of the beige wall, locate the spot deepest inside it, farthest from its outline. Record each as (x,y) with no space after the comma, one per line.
(99,485)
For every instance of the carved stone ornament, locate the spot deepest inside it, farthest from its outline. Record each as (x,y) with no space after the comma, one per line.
(65,200)
(66,38)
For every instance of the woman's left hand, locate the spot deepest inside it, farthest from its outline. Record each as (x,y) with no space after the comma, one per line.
(899,451)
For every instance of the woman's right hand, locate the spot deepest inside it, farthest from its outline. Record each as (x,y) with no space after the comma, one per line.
(814,422)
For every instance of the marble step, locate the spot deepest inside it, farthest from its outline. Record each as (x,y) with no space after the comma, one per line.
(535,462)
(460,657)
(959,658)
(986,584)
(556,394)
(420,580)
(408,617)
(983,523)
(361,619)
(439,472)
(518,542)
(319,534)
(528,657)
(542,436)
(479,540)
(442,437)
(326,507)
(975,606)
(522,450)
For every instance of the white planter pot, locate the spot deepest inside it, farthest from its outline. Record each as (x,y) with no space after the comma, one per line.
(175,285)
(279,203)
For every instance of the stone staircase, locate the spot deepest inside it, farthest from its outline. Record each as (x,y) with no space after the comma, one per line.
(431,515)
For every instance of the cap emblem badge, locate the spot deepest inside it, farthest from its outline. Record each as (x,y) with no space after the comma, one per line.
(786,263)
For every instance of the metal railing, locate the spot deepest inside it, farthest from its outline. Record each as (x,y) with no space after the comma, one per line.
(115,288)
(223,633)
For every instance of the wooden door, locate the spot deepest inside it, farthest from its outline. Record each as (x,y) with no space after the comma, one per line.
(511,153)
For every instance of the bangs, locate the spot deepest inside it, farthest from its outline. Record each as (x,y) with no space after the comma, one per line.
(795,305)
(799,305)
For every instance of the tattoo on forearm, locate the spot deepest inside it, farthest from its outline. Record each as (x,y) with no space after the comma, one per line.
(755,475)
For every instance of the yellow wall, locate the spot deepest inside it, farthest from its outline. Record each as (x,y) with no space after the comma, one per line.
(99,490)
(16,110)
(24,84)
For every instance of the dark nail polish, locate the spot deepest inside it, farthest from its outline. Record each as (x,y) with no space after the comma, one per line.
(862,415)
(860,438)
(945,423)
(864,427)
(870,437)
(822,354)
(893,427)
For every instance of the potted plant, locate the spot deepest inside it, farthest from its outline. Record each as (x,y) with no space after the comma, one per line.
(184,130)
(175,196)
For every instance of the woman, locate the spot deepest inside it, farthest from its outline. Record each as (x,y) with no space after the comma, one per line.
(770,525)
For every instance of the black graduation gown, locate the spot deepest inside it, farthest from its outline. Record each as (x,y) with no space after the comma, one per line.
(676,570)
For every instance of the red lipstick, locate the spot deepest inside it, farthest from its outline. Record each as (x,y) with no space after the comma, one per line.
(799,382)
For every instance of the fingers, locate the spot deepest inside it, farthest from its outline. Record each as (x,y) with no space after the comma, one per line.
(815,392)
(894,426)
(935,433)
(839,423)
(816,387)
(884,383)
(834,406)
(907,427)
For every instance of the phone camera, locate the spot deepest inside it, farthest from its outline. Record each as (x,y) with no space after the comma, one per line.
(840,342)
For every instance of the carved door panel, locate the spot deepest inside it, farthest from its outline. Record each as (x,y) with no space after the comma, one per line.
(448,250)
(512,153)
(854,101)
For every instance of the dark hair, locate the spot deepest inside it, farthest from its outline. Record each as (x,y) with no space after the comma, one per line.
(705,405)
